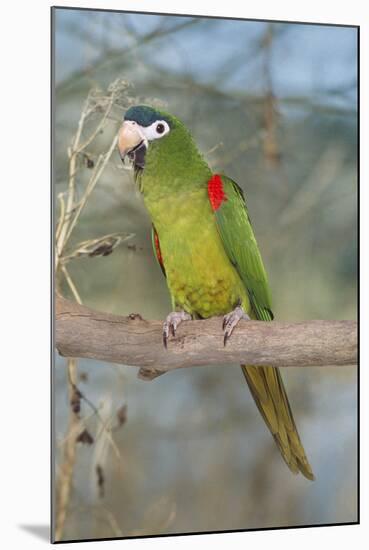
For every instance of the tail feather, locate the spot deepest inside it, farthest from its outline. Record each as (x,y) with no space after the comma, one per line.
(267,388)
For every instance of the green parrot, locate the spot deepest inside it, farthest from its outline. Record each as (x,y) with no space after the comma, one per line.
(205,245)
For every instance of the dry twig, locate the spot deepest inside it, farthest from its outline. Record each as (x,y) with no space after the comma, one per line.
(98,106)
(64,482)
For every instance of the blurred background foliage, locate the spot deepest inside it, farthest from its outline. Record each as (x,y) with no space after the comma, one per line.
(275,107)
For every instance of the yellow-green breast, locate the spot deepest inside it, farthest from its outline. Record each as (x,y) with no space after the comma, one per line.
(200,277)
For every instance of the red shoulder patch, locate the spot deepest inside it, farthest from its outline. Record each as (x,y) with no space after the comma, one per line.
(157,249)
(216,192)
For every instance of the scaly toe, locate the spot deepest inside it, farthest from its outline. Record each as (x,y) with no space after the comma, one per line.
(171,324)
(231,320)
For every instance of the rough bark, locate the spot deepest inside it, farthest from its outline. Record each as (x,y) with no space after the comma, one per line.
(131,340)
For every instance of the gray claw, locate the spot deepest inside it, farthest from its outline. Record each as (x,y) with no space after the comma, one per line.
(231,320)
(165,340)
(172,322)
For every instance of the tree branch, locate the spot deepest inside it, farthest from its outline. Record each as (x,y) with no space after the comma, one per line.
(83,332)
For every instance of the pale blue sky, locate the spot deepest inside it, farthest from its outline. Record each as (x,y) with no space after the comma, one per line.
(306,59)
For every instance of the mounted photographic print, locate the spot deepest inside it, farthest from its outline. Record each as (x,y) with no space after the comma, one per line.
(205,274)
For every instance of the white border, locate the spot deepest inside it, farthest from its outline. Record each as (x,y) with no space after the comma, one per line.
(25,266)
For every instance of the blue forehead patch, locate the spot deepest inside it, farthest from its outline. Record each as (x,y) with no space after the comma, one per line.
(143,115)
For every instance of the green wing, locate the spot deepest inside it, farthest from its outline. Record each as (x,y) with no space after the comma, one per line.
(265,383)
(238,238)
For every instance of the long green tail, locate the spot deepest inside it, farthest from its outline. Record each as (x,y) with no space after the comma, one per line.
(267,388)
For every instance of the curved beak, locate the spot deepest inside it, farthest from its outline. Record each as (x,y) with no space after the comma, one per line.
(129,138)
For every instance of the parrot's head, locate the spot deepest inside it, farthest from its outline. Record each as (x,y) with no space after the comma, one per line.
(141,127)
(156,142)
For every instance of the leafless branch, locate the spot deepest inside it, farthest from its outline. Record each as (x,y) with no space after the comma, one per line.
(64,481)
(83,332)
(98,106)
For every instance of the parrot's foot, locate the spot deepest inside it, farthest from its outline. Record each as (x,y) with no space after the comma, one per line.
(231,320)
(172,322)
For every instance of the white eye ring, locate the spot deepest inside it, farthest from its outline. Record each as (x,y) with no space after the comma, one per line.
(156,130)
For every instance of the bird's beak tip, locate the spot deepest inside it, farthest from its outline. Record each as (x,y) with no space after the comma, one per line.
(129,137)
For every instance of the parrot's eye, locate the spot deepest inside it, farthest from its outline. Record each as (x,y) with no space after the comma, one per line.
(156,130)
